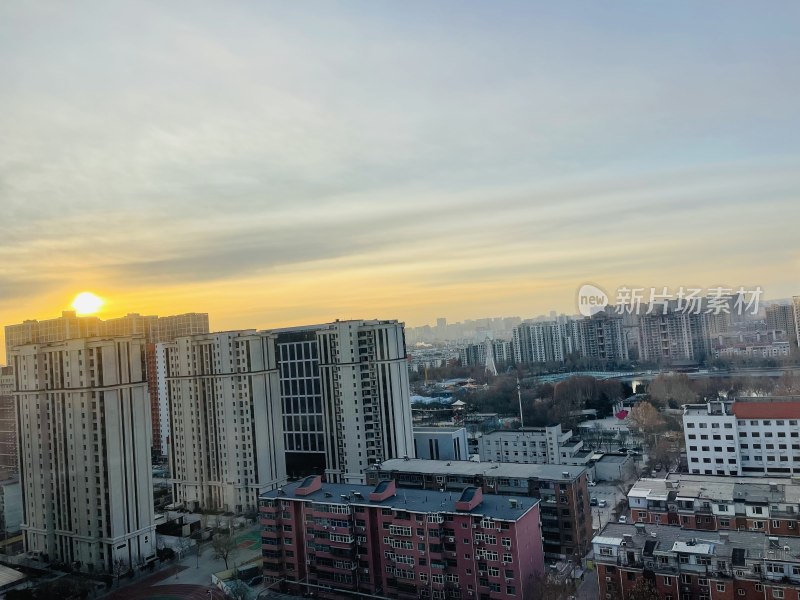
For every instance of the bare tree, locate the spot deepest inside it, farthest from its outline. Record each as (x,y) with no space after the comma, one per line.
(644,590)
(224,546)
(119,567)
(238,590)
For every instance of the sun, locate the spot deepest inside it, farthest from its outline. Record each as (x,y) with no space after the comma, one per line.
(86,303)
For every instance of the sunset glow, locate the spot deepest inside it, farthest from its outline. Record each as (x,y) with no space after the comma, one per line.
(86,303)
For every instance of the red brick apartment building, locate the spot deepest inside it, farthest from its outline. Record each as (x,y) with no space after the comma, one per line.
(686,565)
(713,503)
(561,489)
(336,540)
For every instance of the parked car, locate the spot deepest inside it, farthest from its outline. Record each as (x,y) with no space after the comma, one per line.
(602,503)
(623,519)
(591,483)
(592,501)
(622,450)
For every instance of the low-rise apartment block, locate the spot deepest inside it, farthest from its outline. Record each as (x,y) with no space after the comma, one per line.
(534,445)
(687,565)
(745,436)
(563,492)
(718,503)
(339,540)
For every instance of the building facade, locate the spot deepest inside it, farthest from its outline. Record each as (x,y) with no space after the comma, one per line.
(441,443)
(8,421)
(562,492)
(780,317)
(338,540)
(227,442)
(689,565)
(330,399)
(154,329)
(669,336)
(534,445)
(84,446)
(746,436)
(707,502)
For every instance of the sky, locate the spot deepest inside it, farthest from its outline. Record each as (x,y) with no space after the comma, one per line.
(277,163)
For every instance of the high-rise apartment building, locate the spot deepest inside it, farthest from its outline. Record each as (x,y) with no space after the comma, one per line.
(780,317)
(601,337)
(154,329)
(84,448)
(541,342)
(331,399)
(339,541)
(8,421)
(669,336)
(796,307)
(227,445)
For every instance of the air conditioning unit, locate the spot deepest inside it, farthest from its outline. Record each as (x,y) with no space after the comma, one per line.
(608,578)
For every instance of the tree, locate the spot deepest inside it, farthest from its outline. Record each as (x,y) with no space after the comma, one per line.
(646,417)
(550,588)
(119,568)
(644,590)
(224,545)
(676,388)
(238,590)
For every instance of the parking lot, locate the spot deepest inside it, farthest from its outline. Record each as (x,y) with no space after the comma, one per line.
(609,493)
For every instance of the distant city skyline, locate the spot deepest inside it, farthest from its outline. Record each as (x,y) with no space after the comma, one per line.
(279,163)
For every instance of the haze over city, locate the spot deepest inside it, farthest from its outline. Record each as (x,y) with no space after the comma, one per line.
(280,163)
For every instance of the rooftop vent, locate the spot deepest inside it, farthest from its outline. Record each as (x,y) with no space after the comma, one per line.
(513,502)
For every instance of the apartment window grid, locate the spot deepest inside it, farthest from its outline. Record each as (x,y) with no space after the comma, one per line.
(301,396)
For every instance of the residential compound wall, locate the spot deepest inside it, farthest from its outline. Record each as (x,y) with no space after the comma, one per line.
(563,492)
(744,436)
(344,540)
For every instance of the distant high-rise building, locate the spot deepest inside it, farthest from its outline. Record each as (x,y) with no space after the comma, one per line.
(84,451)
(601,337)
(780,317)
(154,329)
(796,305)
(330,399)
(671,336)
(540,342)
(441,322)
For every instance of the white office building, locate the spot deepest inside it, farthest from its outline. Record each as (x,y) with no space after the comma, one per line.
(535,445)
(441,443)
(746,436)
(84,447)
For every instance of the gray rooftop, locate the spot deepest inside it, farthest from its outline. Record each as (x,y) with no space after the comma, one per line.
(493,469)
(413,500)
(437,429)
(728,489)
(614,458)
(754,545)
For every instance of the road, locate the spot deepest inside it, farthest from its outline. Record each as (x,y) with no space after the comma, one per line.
(609,493)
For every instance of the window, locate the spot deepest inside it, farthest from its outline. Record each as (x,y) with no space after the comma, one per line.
(720,587)
(667,580)
(777,593)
